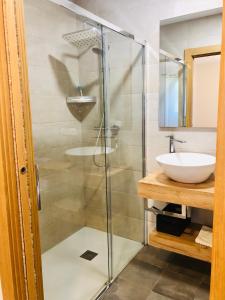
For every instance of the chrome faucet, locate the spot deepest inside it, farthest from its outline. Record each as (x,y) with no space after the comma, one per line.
(172,140)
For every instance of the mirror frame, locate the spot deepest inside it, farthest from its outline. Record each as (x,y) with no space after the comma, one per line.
(189,56)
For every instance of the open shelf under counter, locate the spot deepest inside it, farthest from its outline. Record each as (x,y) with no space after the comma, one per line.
(158,186)
(184,244)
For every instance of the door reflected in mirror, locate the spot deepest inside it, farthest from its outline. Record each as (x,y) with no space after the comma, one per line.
(202,86)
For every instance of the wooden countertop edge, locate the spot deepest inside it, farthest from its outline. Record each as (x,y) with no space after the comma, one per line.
(209,191)
(200,198)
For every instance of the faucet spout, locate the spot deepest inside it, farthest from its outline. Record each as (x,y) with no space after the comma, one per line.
(172,144)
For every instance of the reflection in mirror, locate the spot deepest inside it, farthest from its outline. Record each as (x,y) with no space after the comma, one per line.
(172,91)
(206,69)
(189,72)
(202,81)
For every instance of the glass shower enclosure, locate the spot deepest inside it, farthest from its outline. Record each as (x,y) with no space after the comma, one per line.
(172,111)
(87,104)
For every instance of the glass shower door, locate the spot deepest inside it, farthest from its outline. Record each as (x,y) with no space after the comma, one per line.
(67,105)
(124,101)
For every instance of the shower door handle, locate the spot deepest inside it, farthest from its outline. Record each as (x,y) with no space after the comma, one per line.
(38,187)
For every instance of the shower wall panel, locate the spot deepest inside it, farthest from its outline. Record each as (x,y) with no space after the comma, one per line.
(54,75)
(92,127)
(125,91)
(125,94)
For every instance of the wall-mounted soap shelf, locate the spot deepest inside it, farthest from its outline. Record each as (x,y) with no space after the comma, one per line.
(80,100)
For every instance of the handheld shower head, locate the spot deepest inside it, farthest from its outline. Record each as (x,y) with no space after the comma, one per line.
(97,51)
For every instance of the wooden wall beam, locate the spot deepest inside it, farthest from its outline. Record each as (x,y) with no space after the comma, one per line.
(217,291)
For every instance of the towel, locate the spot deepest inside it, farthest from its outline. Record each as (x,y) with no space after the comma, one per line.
(205,236)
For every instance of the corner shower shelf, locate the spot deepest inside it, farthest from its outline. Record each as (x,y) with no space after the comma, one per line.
(184,244)
(81,100)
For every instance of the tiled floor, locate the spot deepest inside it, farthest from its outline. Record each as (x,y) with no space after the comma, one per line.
(159,275)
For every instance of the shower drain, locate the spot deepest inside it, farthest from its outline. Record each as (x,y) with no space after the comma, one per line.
(89,255)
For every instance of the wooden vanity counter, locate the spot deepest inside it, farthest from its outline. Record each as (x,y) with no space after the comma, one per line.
(158,186)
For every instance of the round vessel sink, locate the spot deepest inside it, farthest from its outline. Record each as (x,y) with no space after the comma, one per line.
(187,167)
(89,151)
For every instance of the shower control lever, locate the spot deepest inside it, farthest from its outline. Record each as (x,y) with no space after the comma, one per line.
(38,187)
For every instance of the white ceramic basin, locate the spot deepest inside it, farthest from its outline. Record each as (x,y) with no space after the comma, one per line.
(88,151)
(187,167)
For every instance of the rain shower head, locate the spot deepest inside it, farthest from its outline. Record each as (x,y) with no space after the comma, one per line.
(83,38)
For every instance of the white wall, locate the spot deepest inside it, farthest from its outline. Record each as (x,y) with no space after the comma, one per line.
(205,91)
(142,18)
(176,37)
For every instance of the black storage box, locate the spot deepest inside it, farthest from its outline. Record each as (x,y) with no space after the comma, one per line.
(169,224)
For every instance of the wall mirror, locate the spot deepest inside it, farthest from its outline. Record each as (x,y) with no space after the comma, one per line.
(189,72)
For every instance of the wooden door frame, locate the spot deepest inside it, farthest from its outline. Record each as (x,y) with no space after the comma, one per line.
(217,290)
(189,55)
(20,248)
